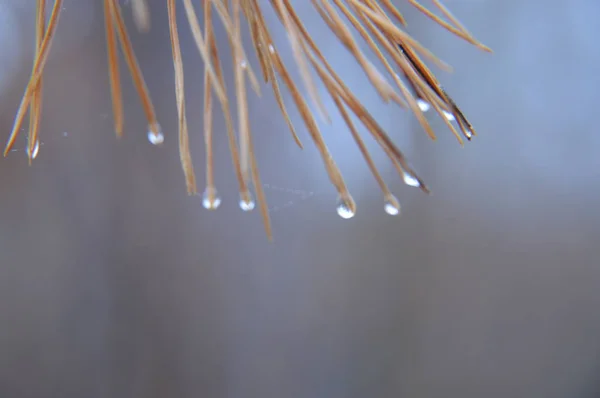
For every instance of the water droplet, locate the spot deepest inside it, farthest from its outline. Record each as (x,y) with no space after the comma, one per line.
(271,49)
(346,208)
(155,136)
(211,199)
(243,64)
(449,115)
(392,206)
(423,105)
(36,150)
(411,180)
(247,201)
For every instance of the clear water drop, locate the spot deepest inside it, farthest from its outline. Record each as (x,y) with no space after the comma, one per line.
(247,202)
(411,180)
(243,64)
(423,105)
(156,139)
(211,199)
(155,135)
(271,49)
(35,151)
(346,208)
(392,206)
(449,115)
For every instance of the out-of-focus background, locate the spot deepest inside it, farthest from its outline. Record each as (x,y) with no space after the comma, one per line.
(114,283)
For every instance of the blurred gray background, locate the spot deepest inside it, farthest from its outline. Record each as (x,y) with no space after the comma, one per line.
(114,283)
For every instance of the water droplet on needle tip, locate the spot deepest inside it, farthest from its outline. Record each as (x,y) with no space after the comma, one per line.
(346,207)
(35,151)
(391,205)
(155,135)
(247,201)
(211,199)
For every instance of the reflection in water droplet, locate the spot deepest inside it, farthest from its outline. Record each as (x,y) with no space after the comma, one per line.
(243,64)
(36,150)
(271,49)
(392,206)
(156,138)
(423,105)
(247,201)
(411,180)
(449,115)
(346,208)
(211,199)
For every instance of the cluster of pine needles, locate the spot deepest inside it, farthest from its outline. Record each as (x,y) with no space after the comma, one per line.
(378,22)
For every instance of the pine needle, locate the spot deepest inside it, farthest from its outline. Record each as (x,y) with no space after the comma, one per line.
(377,22)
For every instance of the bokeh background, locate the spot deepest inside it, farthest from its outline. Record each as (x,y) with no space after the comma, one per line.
(114,283)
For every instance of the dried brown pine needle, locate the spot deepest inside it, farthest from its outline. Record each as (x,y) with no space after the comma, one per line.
(38,69)
(33,143)
(377,22)
(113,69)
(184,146)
